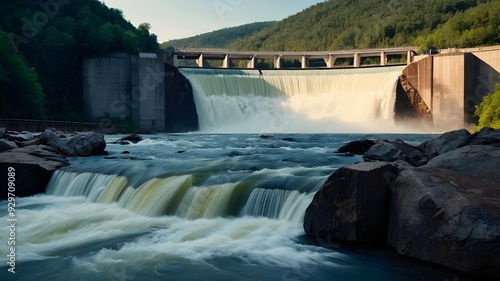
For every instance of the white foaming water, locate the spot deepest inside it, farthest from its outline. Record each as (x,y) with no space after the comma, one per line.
(73,225)
(176,195)
(300,101)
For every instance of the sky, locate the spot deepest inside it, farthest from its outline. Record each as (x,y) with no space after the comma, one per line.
(175,19)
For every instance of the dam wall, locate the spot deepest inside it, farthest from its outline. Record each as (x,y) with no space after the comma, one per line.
(453,83)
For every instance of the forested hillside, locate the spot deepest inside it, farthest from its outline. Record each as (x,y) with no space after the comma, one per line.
(52,38)
(358,24)
(219,38)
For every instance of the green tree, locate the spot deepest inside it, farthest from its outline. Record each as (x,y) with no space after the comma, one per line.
(21,95)
(488,111)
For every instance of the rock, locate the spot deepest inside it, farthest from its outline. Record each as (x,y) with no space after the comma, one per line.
(7,145)
(19,137)
(266,137)
(359,147)
(134,138)
(486,136)
(33,166)
(288,139)
(84,144)
(445,142)
(412,154)
(448,218)
(352,205)
(477,160)
(384,151)
(51,138)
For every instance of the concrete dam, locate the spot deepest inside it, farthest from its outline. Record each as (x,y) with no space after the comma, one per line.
(154,95)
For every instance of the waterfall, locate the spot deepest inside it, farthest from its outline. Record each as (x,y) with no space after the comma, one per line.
(298,101)
(179,196)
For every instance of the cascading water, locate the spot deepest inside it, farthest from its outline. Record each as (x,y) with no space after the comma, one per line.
(299,101)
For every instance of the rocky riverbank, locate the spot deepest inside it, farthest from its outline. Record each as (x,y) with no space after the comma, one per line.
(35,157)
(438,202)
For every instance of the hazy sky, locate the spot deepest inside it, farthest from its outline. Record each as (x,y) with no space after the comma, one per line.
(174,19)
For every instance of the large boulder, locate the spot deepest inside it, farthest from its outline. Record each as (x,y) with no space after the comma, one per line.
(445,142)
(448,218)
(352,205)
(82,144)
(391,151)
(33,167)
(477,160)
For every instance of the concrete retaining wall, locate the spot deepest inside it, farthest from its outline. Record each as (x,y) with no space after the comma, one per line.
(453,84)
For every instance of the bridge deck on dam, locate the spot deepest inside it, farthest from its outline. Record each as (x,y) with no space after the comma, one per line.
(329,57)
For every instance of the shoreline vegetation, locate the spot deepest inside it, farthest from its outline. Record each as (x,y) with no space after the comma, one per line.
(437,202)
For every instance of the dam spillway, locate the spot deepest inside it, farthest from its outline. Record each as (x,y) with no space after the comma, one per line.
(299,101)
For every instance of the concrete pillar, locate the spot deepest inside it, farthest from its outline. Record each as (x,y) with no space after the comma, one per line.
(409,57)
(330,61)
(251,62)
(175,60)
(277,62)
(225,62)
(383,58)
(199,61)
(357,60)
(304,62)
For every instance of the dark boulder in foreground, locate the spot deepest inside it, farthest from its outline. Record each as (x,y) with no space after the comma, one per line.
(447,217)
(352,205)
(33,166)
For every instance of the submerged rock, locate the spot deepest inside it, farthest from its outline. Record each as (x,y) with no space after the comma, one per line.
(448,218)
(134,138)
(359,147)
(352,205)
(266,137)
(33,166)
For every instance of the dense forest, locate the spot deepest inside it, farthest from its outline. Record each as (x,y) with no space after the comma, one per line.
(218,39)
(358,24)
(43,44)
